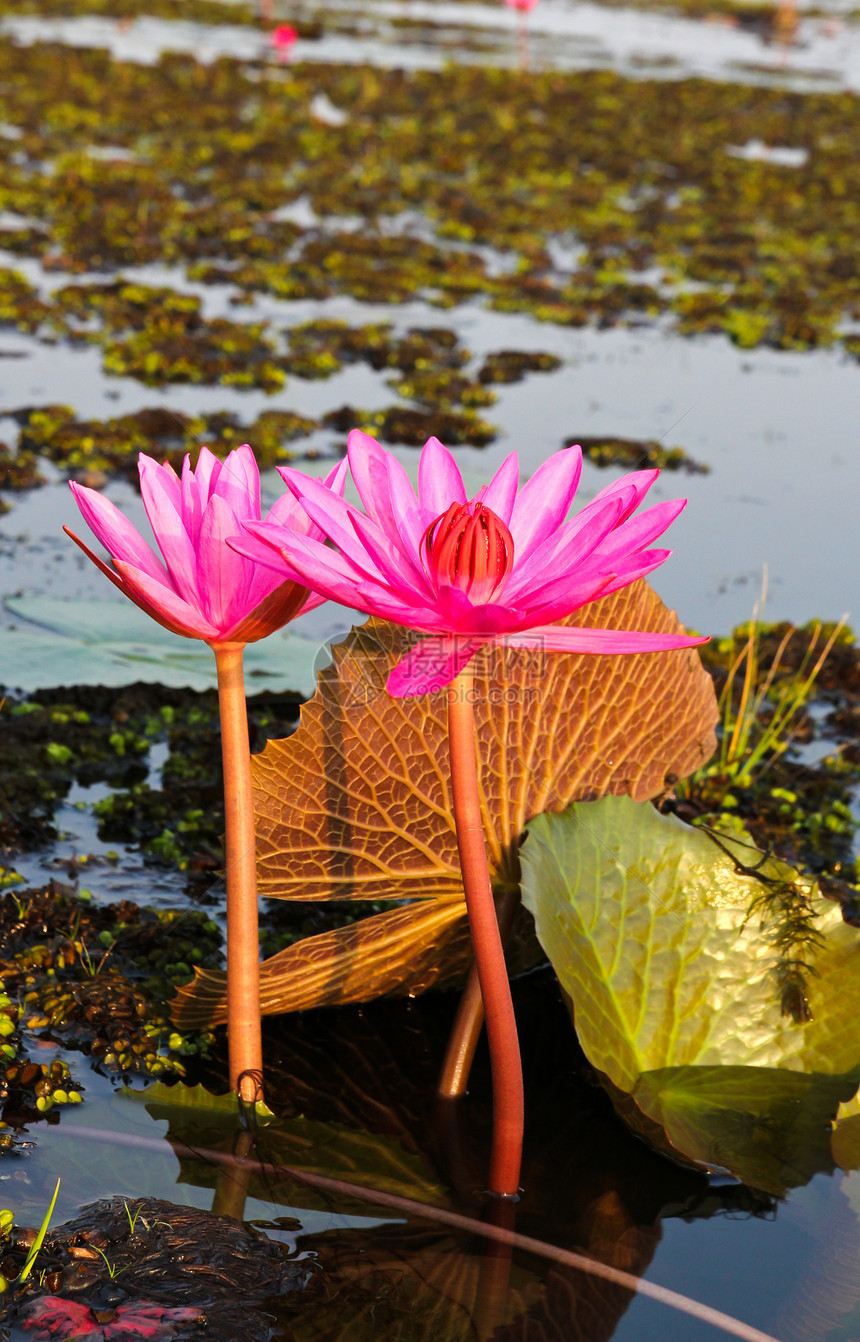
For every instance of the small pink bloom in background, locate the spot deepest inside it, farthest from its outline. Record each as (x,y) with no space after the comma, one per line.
(282,40)
(521,6)
(53,1319)
(498,568)
(202,589)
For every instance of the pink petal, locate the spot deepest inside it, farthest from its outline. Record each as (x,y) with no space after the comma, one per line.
(333,516)
(319,567)
(500,494)
(386,492)
(268,560)
(439,480)
(559,638)
(455,612)
(239,484)
(392,565)
(288,511)
(560,598)
(224,576)
(369,466)
(336,478)
(543,502)
(116,533)
(570,548)
(192,505)
(433,663)
(637,481)
(260,546)
(162,499)
(151,470)
(114,577)
(163,604)
(639,566)
(637,532)
(278,607)
(374,600)
(409,520)
(205,474)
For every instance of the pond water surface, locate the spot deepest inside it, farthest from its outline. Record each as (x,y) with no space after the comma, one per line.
(778,432)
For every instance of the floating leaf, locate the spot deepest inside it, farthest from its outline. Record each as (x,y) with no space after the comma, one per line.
(224,1107)
(113,643)
(672,986)
(356,804)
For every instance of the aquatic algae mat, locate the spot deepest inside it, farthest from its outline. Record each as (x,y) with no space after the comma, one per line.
(202,156)
(109,165)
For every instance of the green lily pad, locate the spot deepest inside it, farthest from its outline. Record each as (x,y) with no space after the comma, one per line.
(113,643)
(671,981)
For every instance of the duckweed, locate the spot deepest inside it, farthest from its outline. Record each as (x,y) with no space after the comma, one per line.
(636,454)
(212,153)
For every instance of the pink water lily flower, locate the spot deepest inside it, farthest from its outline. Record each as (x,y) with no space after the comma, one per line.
(498,568)
(282,40)
(202,589)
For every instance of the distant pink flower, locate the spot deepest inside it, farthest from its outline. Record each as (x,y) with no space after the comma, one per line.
(282,39)
(499,568)
(202,589)
(522,6)
(53,1319)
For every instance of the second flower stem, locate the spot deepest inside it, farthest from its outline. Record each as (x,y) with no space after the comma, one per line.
(244,1034)
(506,1154)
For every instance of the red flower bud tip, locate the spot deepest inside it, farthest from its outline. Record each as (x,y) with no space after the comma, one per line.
(469,547)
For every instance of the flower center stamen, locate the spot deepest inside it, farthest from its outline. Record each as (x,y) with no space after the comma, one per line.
(469,547)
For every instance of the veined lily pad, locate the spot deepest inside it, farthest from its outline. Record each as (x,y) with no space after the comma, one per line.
(356,804)
(669,971)
(113,643)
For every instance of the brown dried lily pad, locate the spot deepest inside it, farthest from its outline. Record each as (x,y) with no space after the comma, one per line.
(356,804)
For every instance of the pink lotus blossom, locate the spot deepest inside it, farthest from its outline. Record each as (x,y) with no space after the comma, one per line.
(498,568)
(521,6)
(282,39)
(202,589)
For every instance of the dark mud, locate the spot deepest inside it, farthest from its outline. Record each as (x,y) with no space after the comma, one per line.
(130,1262)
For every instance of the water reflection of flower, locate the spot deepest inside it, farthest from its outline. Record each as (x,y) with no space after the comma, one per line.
(53,1319)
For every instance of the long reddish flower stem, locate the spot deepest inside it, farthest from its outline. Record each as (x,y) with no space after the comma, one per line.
(469,1021)
(506,1154)
(243,945)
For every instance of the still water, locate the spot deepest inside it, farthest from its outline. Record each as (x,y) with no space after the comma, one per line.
(778,432)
